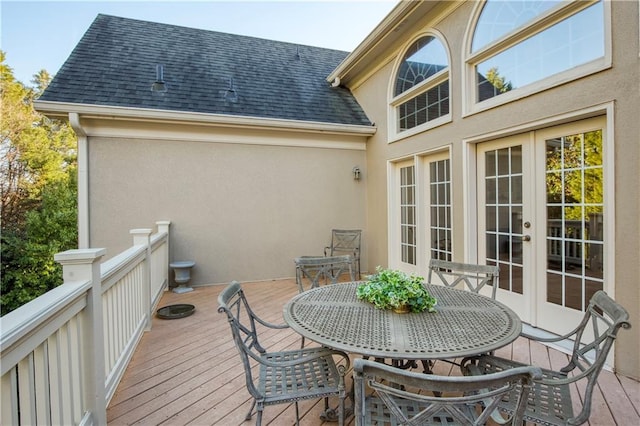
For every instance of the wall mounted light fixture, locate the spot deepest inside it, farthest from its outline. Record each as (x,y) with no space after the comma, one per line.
(356,173)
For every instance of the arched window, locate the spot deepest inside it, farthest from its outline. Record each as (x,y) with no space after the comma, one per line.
(421,89)
(534,44)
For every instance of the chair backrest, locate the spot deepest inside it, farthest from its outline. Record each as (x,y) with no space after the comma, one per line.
(415,398)
(473,277)
(346,241)
(242,320)
(593,339)
(312,271)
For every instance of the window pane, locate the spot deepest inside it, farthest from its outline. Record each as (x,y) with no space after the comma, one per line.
(490,163)
(424,58)
(567,44)
(425,107)
(593,148)
(407,214)
(500,17)
(440,209)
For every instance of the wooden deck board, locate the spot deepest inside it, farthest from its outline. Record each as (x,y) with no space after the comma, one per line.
(188,372)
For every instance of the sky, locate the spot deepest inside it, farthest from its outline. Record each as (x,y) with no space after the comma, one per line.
(39,35)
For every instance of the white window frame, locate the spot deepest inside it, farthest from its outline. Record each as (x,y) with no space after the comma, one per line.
(394,133)
(513,38)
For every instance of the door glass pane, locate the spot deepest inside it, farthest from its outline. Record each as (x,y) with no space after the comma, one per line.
(440,208)
(407,215)
(574,182)
(503,212)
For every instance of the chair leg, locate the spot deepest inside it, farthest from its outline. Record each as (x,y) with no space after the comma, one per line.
(427,366)
(248,416)
(297,415)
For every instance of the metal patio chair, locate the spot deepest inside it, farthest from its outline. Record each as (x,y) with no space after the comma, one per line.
(473,277)
(456,275)
(400,397)
(282,377)
(550,401)
(346,241)
(312,271)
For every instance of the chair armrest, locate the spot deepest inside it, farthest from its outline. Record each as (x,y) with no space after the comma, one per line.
(550,339)
(325,250)
(469,367)
(309,355)
(269,324)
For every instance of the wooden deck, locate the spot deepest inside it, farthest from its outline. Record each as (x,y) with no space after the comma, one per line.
(187,371)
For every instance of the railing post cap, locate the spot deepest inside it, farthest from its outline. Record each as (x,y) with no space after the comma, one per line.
(141,231)
(80,255)
(163,222)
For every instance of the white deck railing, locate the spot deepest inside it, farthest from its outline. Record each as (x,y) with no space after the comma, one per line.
(64,353)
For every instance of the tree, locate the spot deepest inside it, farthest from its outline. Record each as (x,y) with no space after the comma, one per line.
(37,191)
(41,80)
(35,150)
(28,267)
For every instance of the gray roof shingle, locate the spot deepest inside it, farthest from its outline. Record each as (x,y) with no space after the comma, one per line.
(115,64)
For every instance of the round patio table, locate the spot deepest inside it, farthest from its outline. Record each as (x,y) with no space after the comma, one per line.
(464,324)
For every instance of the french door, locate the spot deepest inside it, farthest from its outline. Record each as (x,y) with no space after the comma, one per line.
(541,219)
(421,212)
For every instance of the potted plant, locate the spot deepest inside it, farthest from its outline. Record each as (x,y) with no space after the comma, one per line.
(396,290)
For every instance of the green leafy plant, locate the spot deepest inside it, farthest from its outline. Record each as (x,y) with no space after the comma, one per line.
(392,289)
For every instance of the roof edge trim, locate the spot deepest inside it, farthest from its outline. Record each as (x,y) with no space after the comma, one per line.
(392,20)
(144,114)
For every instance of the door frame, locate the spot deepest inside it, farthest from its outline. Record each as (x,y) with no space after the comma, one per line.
(469,161)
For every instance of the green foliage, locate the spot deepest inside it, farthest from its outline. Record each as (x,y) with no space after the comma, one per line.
(38,192)
(35,149)
(28,267)
(392,289)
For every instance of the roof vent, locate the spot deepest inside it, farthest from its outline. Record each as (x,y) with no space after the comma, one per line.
(297,53)
(231,95)
(159,86)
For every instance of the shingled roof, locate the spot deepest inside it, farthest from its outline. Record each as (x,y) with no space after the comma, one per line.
(115,64)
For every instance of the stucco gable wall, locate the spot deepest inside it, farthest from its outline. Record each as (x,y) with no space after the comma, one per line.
(240,211)
(617,86)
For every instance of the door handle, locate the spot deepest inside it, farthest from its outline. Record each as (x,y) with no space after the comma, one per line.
(526,238)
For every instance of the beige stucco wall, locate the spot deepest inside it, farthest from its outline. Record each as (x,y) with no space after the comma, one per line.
(240,211)
(618,85)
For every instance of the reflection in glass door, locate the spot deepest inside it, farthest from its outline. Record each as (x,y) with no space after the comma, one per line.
(503,213)
(575,207)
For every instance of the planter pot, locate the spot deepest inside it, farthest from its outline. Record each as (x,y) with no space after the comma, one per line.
(404,309)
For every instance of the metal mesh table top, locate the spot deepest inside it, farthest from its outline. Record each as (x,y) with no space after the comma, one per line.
(464,324)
